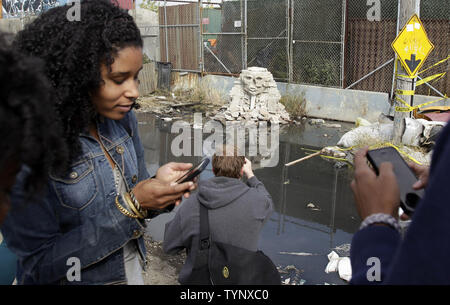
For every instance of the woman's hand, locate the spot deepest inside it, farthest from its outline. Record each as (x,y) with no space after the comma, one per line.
(156,194)
(172,171)
(374,194)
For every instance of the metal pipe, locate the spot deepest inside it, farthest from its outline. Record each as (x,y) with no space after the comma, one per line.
(224,33)
(343,29)
(290,40)
(200,36)
(317,41)
(217,58)
(221,73)
(167,34)
(245,36)
(367,75)
(395,54)
(185,70)
(263,38)
(179,25)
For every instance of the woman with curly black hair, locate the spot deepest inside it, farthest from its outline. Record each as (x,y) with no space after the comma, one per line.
(88,228)
(29,133)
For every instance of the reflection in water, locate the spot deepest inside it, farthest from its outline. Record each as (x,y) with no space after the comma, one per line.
(314,208)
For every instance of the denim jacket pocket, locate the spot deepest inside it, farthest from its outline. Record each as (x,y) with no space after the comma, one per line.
(78,188)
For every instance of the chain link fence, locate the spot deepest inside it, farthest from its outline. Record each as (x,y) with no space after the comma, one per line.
(268,36)
(223,37)
(318,27)
(435,16)
(369,58)
(333,43)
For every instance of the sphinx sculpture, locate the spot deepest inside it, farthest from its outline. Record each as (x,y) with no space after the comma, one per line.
(255,97)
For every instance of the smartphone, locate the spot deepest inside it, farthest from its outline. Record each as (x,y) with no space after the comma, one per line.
(194,171)
(409,198)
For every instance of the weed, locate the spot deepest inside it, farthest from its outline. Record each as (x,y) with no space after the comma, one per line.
(295,105)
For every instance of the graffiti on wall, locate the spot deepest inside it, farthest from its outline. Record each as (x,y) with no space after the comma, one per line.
(21,8)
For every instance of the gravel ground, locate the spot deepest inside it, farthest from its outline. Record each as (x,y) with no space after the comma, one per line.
(162,269)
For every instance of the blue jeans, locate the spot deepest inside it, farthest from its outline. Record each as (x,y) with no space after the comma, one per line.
(8,263)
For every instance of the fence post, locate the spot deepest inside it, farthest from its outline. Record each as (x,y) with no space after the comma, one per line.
(407,9)
(166,31)
(343,35)
(200,37)
(244,34)
(290,37)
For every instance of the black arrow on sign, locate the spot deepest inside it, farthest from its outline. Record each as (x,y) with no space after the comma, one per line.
(413,63)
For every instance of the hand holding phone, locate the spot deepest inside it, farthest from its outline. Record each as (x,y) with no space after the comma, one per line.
(406,179)
(374,194)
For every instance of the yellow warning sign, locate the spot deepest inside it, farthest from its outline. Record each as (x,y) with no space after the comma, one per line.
(412,45)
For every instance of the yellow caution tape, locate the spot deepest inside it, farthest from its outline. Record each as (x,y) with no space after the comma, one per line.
(404,92)
(438,63)
(403,153)
(430,78)
(370,147)
(409,108)
(427,79)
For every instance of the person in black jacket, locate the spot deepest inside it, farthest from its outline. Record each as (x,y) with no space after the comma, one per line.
(237,210)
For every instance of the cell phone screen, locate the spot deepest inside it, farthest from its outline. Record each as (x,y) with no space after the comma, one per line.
(404,174)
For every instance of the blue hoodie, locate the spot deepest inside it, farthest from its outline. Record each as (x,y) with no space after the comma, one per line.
(423,256)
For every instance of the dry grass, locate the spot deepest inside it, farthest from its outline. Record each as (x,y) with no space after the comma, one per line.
(295,105)
(203,93)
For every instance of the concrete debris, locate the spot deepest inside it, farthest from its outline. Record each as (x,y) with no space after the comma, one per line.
(343,250)
(334,151)
(332,125)
(362,122)
(413,132)
(255,97)
(316,121)
(417,133)
(290,275)
(340,264)
(312,206)
(367,135)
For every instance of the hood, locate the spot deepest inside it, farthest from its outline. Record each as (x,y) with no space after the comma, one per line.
(220,191)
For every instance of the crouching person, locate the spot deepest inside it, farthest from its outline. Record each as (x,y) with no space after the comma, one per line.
(236,212)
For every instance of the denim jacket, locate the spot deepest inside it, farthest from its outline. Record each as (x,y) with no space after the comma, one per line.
(76,218)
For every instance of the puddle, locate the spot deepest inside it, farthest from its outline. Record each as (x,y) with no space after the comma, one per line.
(314,208)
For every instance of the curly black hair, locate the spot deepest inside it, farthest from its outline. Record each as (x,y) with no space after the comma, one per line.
(73,52)
(29,130)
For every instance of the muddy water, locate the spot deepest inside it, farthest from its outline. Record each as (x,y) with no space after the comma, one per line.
(314,208)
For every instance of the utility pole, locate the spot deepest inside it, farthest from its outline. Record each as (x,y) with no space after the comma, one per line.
(407,9)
